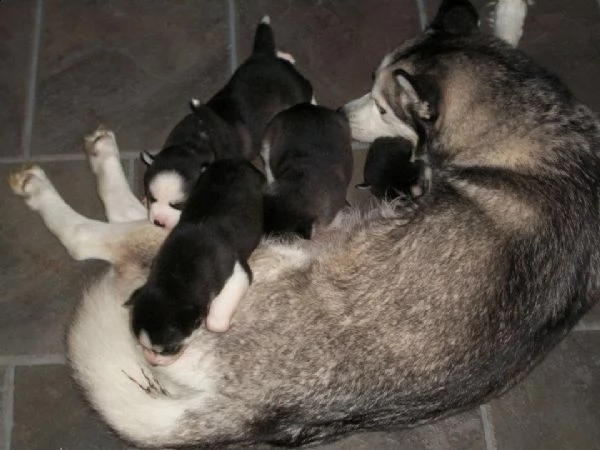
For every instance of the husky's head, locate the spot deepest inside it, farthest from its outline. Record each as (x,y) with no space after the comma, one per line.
(405,92)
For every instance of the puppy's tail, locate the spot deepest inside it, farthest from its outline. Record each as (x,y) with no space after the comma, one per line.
(264,40)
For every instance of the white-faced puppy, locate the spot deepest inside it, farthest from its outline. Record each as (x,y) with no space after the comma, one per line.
(230,125)
(308,161)
(190,147)
(201,270)
(391,171)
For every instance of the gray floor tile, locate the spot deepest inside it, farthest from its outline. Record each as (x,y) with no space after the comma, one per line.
(557,406)
(41,282)
(138,81)
(16,29)
(337,44)
(463,431)
(50,414)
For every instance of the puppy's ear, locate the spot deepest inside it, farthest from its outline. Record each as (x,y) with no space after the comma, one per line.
(147,158)
(456,17)
(420,94)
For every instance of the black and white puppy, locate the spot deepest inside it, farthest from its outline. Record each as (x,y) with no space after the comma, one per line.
(231,124)
(391,171)
(308,162)
(191,146)
(201,272)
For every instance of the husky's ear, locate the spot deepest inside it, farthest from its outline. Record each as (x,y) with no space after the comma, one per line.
(421,93)
(457,17)
(147,158)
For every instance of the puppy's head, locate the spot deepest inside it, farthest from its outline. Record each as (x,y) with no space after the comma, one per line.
(390,171)
(406,86)
(162,327)
(167,183)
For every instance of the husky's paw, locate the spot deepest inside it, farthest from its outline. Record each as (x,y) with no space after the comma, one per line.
(286,56)
(29,181)
(99,145)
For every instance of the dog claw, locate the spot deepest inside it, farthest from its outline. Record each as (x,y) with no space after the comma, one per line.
(22,181)
(102,141)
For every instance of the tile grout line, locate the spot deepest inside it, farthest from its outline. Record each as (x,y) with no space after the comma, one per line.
(27,132)
(233,36)
(65,157)
(423,13)
(488,428)
(32,360)
(8,389)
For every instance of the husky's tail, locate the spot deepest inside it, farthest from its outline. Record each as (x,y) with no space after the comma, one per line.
(264,40)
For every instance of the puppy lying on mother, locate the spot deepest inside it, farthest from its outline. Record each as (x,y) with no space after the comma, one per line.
(410,314)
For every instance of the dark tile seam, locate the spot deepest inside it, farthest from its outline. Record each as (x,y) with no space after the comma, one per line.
(32,360)
(29,115)
(65,157)
(8,389)
(233,35)
(423,13)
(488,428)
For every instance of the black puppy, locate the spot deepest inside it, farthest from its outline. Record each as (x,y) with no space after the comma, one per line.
(231,124)
(391,172)
(201,270)
(308,160)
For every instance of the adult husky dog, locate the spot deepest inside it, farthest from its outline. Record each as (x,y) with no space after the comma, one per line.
(409,313)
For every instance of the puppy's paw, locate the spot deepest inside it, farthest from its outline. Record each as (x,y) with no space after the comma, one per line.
(100,144)
(286,56)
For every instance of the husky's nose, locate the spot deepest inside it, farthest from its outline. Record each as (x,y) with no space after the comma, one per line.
(159,224)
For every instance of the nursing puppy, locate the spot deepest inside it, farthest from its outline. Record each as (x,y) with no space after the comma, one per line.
(409,314)
(308,161)
(201,270)
(230,125)
(391,171)
(190,147)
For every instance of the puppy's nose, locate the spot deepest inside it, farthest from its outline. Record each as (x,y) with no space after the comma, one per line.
(159,224)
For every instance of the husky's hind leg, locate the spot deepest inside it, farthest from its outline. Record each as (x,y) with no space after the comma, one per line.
(82,237)
(119,202)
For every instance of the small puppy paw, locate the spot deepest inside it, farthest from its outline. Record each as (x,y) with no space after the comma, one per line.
(29,181)
(101,143)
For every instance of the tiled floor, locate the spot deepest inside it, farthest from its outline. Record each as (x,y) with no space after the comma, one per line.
(68,65)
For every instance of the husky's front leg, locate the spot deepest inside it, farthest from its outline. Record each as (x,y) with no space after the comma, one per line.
(119,202)
(82,237)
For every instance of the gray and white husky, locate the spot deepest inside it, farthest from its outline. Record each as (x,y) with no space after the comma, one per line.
(407,314)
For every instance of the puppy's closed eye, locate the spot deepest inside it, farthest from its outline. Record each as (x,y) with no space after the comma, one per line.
(178,206)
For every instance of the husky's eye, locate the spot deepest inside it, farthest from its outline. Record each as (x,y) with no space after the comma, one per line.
(381,109)
(178,206)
